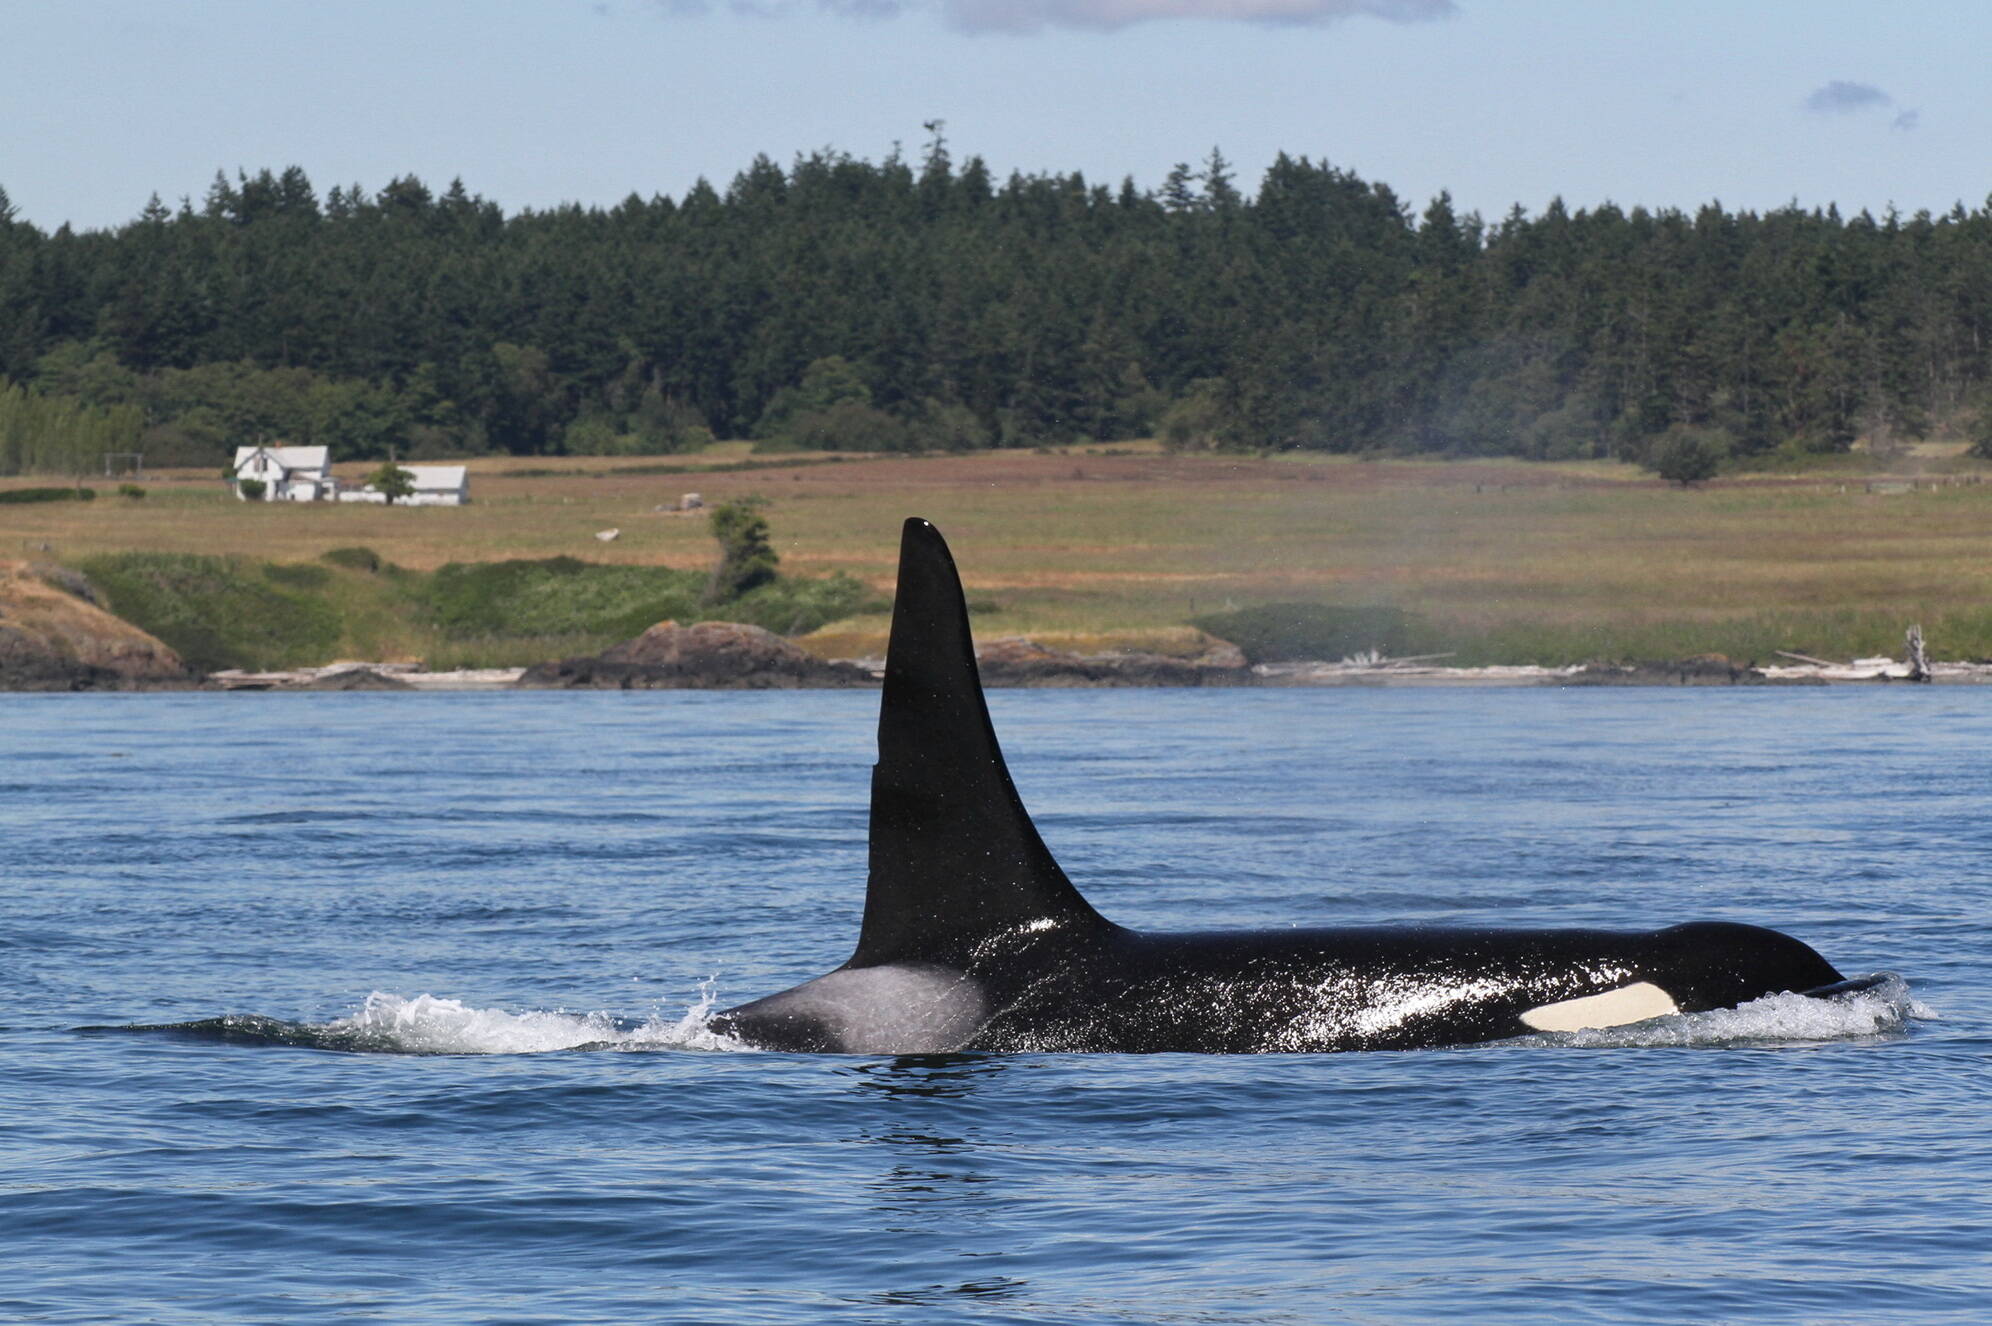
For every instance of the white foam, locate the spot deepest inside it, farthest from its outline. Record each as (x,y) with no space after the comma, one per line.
(1779,1019)
(426,1024)
(429,1025)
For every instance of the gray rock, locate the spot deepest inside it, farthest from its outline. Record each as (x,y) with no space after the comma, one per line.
(705,656)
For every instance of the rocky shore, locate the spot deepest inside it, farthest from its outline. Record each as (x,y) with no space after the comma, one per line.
(1018,661)
(704,656)
(723,656)
(56,636)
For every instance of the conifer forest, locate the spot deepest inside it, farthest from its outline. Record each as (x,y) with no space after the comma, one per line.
(921,303)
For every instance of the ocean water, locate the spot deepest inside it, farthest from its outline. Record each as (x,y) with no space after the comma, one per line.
(434,971)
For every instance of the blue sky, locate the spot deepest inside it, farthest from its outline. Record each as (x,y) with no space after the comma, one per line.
(538,102)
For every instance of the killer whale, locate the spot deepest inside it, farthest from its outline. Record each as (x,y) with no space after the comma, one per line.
(973,938)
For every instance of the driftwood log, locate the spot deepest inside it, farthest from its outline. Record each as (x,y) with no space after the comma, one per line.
(1919,663)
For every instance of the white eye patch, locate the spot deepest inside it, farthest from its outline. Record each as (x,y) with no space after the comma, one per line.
(1613,1008)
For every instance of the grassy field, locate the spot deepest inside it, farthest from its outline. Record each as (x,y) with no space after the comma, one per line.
(1499,561)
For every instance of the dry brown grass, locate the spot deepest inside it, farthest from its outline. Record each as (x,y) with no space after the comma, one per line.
(1594,558)
(42,621)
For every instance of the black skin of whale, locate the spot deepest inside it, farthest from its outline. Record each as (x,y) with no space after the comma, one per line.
(973,938)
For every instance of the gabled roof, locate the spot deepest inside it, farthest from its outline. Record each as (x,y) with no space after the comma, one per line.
(292,459)
(431,478)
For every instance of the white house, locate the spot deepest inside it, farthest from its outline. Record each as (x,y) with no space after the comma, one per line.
(435,485)
(288,474)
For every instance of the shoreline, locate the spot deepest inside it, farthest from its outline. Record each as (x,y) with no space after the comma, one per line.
(349,675)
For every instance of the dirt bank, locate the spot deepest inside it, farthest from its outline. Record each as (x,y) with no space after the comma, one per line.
(55,637)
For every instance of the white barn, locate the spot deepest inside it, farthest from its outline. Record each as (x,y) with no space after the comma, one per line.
(288,474)
(439,485)
(435,485)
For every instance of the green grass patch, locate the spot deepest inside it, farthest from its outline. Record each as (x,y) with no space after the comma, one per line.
(219,612)
(1840,635)
(1290,632)
(796,606)
(235,612)
(591,606)
(557,596)
(510,651)
(296,575)
(1285,632)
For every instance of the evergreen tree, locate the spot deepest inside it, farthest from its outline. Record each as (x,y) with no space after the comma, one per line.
(1332,314)
(747,557)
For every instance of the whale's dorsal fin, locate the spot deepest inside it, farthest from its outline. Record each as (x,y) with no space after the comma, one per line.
(955,859)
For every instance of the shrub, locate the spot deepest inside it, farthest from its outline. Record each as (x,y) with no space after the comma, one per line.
(1572,431)
(591,435)
(355,559)
(1979,426)
(47,494)
(659,425)
(556,596)
(826,383)
(130,490)
(789,605)
(296,575)
(666,424)
(1283,632)
(1196,422)
(951,427)
(1685,455)
(583,602)
(392,482)
(747,558)
(251,489)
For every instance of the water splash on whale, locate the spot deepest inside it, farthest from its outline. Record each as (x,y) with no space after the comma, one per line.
(428,1024)
(1777,1020)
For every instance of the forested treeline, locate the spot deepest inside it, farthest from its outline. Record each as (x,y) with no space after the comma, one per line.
(902,304)
(60,435)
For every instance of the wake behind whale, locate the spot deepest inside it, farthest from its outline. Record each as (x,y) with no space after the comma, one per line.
(425,1024)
